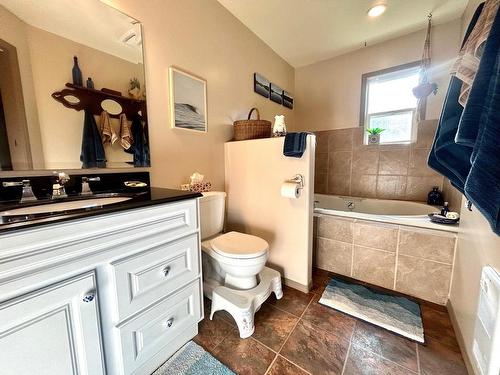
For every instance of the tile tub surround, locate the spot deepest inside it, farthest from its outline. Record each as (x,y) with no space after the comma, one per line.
(414,261)
(345,166)
(297,336)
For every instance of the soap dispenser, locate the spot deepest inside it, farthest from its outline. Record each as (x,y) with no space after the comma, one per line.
(435,197)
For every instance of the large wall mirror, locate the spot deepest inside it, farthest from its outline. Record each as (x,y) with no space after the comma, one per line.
(72,91)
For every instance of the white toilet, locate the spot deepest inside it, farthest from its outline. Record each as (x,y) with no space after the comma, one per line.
(234,274)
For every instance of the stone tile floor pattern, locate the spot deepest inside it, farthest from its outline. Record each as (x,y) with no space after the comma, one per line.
(296,335)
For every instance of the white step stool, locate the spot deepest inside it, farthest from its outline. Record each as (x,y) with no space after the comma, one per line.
(243,304)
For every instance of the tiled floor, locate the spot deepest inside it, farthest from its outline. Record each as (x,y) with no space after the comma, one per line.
(297,335)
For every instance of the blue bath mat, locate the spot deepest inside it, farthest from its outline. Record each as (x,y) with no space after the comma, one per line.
(192,359)
(394,313)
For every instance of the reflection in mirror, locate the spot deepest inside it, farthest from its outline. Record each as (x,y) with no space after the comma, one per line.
(112,107)
(45,93)
(72,99)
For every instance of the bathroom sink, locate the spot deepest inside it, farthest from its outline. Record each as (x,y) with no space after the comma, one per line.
(65,206)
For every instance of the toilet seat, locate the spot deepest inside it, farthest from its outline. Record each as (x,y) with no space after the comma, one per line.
(238,245)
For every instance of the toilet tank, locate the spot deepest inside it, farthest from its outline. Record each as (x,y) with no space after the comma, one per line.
(212,210)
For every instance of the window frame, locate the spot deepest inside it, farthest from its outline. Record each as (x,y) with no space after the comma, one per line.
(363,116)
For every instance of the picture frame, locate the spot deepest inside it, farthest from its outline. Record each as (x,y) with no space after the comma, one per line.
(276,93)
(287,100)
(188,101)
(261,85)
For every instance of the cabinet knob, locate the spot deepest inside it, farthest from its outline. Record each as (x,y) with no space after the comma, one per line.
(89,297)
(166,270)
(170,322)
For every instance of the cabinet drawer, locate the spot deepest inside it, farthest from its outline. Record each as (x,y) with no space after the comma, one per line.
(148,333)
(150,275)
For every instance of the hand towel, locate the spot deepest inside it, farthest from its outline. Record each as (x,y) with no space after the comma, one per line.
(140,145)
(482,115)
(295,144)
(104,127)
(125,135)
(92,154)
(467,64)
(447,157)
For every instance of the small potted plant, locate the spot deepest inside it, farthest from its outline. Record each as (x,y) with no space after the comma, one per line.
(374,135)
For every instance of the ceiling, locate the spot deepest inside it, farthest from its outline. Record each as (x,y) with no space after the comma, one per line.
(88,22)
(306,31)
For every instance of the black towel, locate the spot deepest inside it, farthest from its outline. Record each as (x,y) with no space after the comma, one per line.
(140,146)
(295,144)
(92,155)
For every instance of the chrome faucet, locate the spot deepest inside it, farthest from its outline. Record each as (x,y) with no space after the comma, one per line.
(28,195)
(85,185)
(58,190)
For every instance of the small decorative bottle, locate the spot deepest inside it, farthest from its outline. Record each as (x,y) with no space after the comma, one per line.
(77,73)
(90,83)
(445,209)
(435,197)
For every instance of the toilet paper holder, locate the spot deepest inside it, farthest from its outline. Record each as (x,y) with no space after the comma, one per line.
(298,179)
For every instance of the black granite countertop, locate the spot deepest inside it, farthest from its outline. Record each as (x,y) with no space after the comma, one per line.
(147,197)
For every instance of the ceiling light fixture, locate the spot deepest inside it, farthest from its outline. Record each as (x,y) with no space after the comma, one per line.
(376,10)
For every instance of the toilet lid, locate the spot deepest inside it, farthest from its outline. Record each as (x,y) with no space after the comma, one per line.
(239,245)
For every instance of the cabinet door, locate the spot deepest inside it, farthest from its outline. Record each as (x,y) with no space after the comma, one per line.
(52,331)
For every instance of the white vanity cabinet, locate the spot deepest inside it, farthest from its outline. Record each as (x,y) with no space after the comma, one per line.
(112,294)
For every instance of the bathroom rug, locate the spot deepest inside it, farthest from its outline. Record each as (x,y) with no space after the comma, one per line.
(393,313)
(192,359)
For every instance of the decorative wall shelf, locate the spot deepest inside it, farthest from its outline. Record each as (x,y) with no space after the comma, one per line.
(79,98)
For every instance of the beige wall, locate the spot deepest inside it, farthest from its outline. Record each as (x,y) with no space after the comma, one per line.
(255,171)
(202,37)
(61,127)
(478,246)
(328,93)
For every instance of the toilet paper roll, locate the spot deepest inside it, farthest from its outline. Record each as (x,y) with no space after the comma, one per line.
(290,190)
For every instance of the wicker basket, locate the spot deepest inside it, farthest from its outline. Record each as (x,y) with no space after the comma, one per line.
(252,129)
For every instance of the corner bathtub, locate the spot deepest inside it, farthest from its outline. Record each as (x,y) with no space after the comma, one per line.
(381,210)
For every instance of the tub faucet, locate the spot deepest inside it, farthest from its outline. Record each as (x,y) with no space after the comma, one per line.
(28,195)
(58,190)
(350,205)
(85,185)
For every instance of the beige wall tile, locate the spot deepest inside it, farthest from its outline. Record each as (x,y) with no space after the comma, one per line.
(425,133)
(335,229)
(334,256)
(322,141)
(418,163)
(340,140)
(321,163)
(394,162)
(391,187)
(365,161)
(376,235)
(320,183)
(423,279)
(427,244)
(339,184)
(417,188)
(364,186)
(339,162)
(374,266)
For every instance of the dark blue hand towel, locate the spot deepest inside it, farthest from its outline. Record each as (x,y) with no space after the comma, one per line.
(92,154)
(447,157)
(140,146)
(481,118)
(295,144)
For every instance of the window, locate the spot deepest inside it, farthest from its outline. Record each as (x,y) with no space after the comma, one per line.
(387,102)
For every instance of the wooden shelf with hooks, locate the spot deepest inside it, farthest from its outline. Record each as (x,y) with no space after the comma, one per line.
(91,99)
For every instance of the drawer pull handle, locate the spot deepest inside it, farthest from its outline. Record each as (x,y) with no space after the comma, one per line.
(170,322)
(166,270)
(89,297)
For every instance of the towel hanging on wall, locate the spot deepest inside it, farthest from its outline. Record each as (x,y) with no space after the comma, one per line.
(92,154)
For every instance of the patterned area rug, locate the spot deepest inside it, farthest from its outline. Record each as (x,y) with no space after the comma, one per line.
(192,359)
(396,314)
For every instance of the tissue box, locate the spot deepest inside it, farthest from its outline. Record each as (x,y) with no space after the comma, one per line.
(200,187)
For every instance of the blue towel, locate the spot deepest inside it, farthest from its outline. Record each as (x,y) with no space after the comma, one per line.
(447,157)
(481,124)
(92,154)
(140,146)
(295,144)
